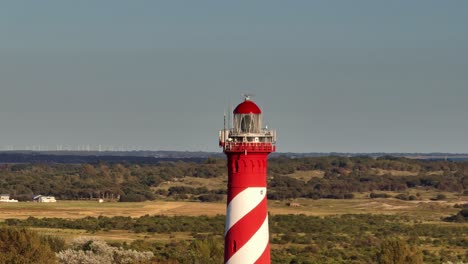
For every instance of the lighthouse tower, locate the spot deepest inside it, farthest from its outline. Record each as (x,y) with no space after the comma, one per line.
(247,145)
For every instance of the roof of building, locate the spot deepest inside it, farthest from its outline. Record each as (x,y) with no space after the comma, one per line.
(247,107)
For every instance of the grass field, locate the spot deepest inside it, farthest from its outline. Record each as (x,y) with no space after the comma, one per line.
(424,209)
(79,209)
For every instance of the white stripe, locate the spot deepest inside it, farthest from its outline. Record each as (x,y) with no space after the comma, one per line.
(254,248)
(242,204)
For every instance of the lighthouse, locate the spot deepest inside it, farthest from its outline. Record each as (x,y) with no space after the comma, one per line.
(247,145)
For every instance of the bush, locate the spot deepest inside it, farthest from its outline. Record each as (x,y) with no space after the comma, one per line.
(379,195)
(439,197)
(181,196)
(334,196)
(132,197)
(86,250)
(460,217)
(397,251)
(202,251)
(402,196)
(55,243)
(22,246)
(210,197)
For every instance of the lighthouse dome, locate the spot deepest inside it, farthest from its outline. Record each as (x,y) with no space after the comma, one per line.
(247,107)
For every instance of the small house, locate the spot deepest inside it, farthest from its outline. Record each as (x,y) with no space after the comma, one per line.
(5,198)
(44,199)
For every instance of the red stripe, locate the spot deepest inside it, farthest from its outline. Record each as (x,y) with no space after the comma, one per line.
(265,257)
(244,229)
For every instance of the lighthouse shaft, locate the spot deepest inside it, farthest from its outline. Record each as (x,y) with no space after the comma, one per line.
(247,146)
(246,229)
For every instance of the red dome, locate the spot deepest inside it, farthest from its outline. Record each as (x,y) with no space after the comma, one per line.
(247,107)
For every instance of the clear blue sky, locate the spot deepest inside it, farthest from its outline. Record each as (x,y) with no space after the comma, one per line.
(345,76)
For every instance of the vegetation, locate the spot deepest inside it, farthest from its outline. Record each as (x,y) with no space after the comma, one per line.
(397,251)
(341,177)
(90,251)
(460,217)
(350,238)
(19,246)
(151,224)
(414,234)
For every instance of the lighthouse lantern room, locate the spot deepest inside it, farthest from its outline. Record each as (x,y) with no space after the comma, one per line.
(247,129)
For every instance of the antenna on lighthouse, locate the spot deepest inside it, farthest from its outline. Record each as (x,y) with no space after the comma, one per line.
(224,119)
(229,114)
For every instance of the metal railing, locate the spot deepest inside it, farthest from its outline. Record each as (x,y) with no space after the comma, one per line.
(249,146)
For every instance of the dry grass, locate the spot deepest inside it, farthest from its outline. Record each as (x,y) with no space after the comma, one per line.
(422,209)
(75,209)
(194,182)
(307,175)
(393,172)
(425,208)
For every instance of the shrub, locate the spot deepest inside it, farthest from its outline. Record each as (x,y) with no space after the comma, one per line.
(210,197)
(22,246)
(379,195)
(397,251)
(460,217)
(402,196)
(202,251)
(181,196)
(132,197)
(55,243)
(90,251)
(439,197)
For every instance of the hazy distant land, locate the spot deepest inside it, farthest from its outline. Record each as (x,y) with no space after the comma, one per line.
(144,156)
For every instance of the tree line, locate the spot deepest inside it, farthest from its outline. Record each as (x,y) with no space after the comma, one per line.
(342,176)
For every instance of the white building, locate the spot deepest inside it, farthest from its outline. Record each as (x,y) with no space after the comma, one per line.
(44,199)
(5,198)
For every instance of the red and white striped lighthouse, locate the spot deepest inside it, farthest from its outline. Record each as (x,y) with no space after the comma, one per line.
(247,145)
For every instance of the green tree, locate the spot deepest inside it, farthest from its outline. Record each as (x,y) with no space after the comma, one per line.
(397,251)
